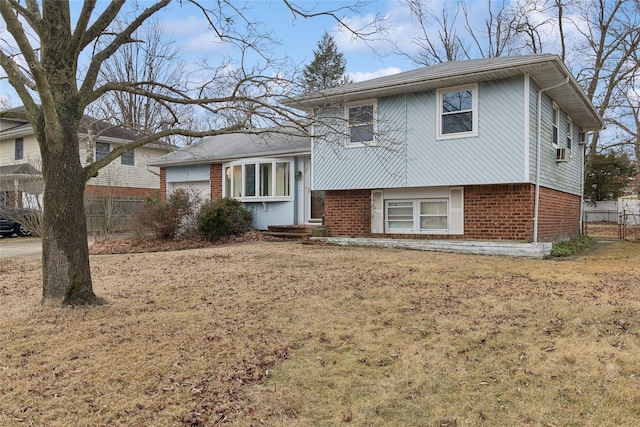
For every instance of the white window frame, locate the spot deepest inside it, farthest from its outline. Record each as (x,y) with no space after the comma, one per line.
(555,125)
(229,184)
(129,154)
(416,215)
(102,153)
(374,122)
(474,112)
(18,151)
(569,134)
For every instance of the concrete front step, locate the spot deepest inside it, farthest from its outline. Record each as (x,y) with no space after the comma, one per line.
(301,231)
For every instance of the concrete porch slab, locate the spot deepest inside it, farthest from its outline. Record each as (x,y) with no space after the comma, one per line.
(509,249)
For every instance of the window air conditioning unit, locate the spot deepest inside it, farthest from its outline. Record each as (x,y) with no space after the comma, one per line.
(562,155)
(582,138)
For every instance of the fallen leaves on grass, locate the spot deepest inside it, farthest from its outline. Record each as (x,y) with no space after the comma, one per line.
(125,245)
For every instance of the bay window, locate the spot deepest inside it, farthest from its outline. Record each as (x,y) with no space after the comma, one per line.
(258,179)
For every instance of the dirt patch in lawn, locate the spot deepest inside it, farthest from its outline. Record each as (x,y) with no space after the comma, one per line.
(292,334)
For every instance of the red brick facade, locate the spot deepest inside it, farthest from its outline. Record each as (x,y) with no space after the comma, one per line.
(499,212)
(163,183)
(348,212)
(215,178)
(114,191)
(558,215)
(491,212)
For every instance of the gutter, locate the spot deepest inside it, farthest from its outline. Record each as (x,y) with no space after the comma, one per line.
(538,156)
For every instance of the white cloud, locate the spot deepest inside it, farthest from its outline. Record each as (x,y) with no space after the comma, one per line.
(193,34)
(359,76)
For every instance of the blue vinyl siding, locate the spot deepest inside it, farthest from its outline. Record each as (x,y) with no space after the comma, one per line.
(409,155)
(496,155)
(276,213)
(382,165)
(188,173)
(565,176)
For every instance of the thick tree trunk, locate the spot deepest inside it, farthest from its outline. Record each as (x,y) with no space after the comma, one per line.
(65,250)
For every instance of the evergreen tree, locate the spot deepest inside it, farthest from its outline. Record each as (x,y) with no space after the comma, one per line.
(327,68)
(610,175)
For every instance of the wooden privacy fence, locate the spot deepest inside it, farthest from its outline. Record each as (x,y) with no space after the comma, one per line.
(612,225)
(110,213)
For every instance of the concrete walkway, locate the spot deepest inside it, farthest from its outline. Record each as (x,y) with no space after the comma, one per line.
(509,249)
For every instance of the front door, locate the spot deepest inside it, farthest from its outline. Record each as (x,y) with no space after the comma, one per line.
(314,199)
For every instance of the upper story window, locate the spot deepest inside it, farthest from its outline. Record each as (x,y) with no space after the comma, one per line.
(555,121)
(19,151)
(102,149)
(458,112)
(258,179)
(128,158)
(361,119)
(569,133)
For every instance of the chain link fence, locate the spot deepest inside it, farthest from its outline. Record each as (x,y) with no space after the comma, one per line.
(612,225)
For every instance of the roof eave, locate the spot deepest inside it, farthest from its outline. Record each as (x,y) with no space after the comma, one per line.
(214,160)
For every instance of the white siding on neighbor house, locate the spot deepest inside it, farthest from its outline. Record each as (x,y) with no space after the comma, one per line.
(116,174)
(409,155)
(562,176)
(31,151)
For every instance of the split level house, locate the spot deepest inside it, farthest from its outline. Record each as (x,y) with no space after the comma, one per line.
(488,149)
(129,179)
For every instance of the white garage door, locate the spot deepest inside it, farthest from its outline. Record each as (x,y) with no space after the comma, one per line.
(202,188)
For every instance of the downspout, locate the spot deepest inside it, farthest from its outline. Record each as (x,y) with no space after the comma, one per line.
(538,157)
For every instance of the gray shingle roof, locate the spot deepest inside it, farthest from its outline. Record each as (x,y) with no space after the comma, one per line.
(227,147)
(547,70)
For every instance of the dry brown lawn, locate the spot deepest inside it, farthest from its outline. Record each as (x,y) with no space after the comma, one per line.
(291,334)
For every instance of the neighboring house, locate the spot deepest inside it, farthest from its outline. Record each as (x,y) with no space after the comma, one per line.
(128,177)
(270,173)
(488,149)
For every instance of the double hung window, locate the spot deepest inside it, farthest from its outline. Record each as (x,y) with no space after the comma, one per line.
(417,216)
(102,149)
(19,150)
(128,158)
(569,134)
(361,121)
(555,122)
(260,179)
(458,112)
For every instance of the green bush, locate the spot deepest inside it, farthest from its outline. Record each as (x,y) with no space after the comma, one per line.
(223,217)
(164,220)
(572,247)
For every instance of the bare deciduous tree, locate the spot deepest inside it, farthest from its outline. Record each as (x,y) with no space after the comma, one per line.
(41,57)
(599,39)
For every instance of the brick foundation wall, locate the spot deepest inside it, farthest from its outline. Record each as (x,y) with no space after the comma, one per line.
(499,212)
(114,191)
(215,178)
(348,212)
(491,212)
(558,215)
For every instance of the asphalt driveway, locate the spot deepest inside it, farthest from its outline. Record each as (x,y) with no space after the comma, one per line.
(20,247)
